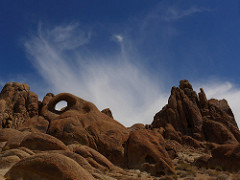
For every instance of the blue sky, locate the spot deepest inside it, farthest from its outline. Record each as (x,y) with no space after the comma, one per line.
(125,55)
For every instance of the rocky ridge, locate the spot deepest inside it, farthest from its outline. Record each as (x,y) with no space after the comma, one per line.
(81,142)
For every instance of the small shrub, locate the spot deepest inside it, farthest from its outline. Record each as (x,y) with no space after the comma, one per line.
(183,166)
(174,177)
(212,172)
(104,178)
(219,168)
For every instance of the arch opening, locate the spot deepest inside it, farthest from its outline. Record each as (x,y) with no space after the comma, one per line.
(68,99)
(61,105)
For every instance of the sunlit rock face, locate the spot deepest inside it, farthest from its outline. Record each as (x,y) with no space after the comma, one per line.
(17,105)
(81,122)
(191,114)
(146,151)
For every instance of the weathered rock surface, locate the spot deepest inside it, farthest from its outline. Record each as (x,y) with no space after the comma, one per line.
(202,161)
(7,134)
(35,124)
(136,127)
(172,147)
(11,137)
(194,116)
(49,166)
(16,152)
(10,157)
(8,161)
(108,112)
(18,104)
(81,122)
(146,151)
(79,159)
(171,133)
(226,157)
(94,158)
(42,142)
(188,140)
(191,119)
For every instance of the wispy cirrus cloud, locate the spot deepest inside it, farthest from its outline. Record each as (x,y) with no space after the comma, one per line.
(113,81)
(171,11)
(175,13)
(117,80)
(118,37)
(65,37)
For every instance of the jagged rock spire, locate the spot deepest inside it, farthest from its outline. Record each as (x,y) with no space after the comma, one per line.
(193,115)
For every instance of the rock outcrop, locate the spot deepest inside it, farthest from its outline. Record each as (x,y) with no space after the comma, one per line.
(52,166)
(146,151)
(37,141)
(11,138)
(108,112)
(94,134)
(81,122)
(193,115)
(93,157)
(18,104)
(226,157)
(42,142)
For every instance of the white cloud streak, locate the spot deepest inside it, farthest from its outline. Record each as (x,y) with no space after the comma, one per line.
(174,13)
(113,81)
(118,38)
(168,11)
(120,84)
(65,37)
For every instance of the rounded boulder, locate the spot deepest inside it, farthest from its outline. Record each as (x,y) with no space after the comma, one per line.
(48,166)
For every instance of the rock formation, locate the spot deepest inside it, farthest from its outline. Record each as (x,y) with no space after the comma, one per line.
(193,115)
(83,123)
(18,105)
(37,141)
(146,151)
(48,166)
(39,127)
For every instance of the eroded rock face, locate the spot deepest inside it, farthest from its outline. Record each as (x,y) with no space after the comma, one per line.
(182,111)
(42,142)
(81,122)
(49,166)
(35,124)
(108,112)
(17,104)
(226,157)
(194,116)
(11,157)
(11,137)
(146,151)
(93,157)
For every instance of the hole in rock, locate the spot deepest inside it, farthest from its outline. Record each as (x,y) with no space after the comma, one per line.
(61,105)
(150,159)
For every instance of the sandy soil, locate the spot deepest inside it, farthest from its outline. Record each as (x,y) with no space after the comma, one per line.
(3,172)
